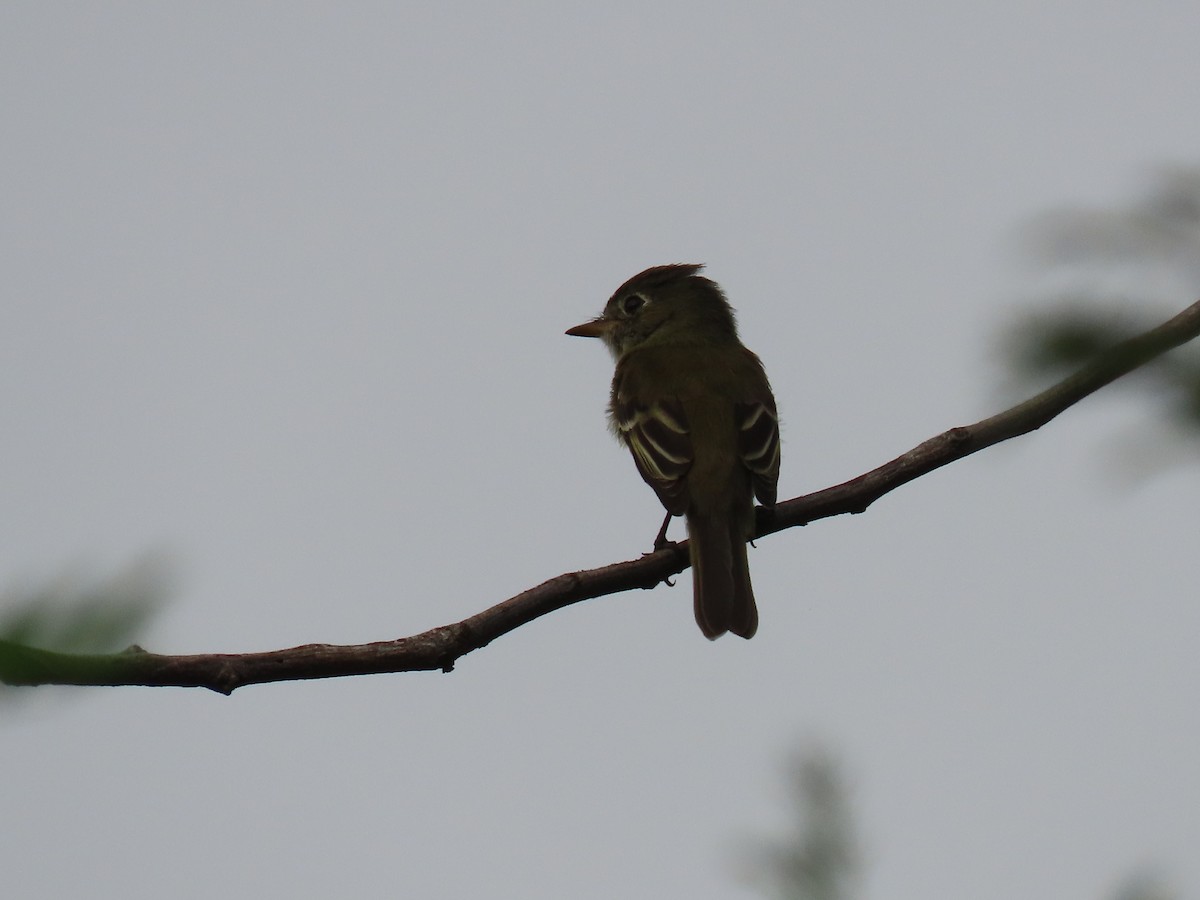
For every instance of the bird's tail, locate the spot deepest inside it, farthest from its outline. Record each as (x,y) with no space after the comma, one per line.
(724,598)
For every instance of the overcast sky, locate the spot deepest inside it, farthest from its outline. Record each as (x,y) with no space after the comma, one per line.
(284,288)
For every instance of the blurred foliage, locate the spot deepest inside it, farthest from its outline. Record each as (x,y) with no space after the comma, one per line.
(79,613)
(1104,275)
(819,862)
(1145,885)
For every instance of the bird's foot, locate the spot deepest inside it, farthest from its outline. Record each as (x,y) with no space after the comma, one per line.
(660,540)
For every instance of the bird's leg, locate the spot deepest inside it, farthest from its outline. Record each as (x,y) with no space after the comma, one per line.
(661,543)
(660,539)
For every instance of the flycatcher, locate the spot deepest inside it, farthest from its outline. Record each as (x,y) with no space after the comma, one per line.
(696,411)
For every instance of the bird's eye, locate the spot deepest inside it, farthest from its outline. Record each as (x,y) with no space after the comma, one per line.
(632,304)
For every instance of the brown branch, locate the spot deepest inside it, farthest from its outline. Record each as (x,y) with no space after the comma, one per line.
(440,648)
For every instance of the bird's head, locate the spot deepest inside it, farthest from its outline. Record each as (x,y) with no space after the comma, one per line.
(662,305)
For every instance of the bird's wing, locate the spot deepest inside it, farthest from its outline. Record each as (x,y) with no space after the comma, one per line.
(758,445)
(661,443)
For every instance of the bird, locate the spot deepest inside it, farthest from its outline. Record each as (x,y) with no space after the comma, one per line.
(695,409)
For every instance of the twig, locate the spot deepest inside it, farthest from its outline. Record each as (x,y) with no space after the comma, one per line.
(440,648)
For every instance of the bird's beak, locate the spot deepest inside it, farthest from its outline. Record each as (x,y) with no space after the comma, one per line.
(595,328)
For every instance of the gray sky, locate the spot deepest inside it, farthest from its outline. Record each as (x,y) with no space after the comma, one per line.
(283,294)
